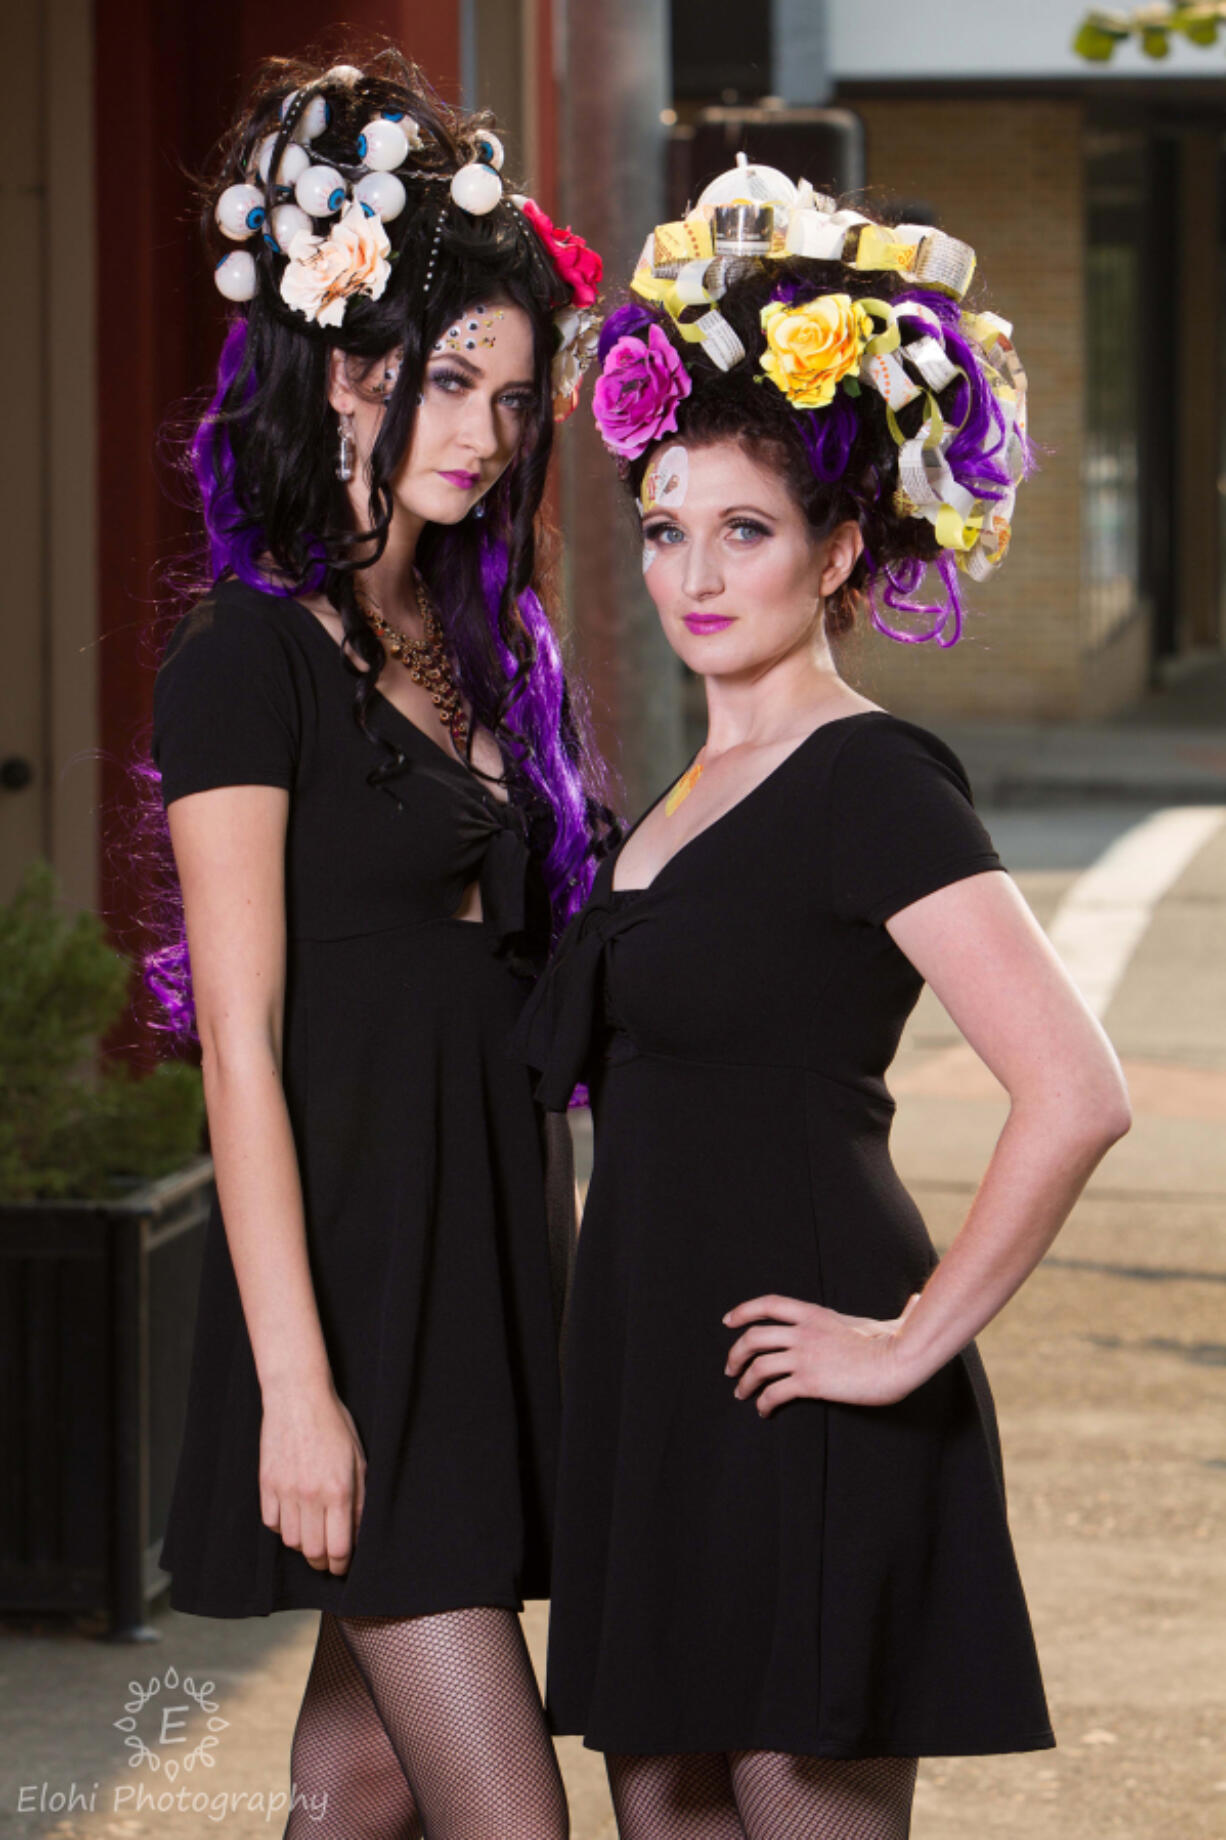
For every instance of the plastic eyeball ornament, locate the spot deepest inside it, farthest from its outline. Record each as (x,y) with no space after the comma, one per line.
(320,191)
(290,167)
(383,145)
(476,188)
(490,150)
(240,212)
(236,276)
(285,222)
(382,193)
(313,119)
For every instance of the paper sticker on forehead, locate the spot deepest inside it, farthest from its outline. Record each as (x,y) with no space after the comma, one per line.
(666,482)
(474,330)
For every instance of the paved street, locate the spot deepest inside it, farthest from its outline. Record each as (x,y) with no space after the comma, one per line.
(1110,1375)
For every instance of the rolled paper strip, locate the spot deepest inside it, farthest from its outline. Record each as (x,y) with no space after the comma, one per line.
(383,145)
(236,276)
(820,237)
(476,188)
(240,212)
(349,74)
(693,285)
(285,222)
(932,362)
(943,262)
(313,119)
(290,167)
(320,191)
(382,192)
(743,229)
(719,341)
(679,242)
(809,200)
(886,375)
(490,150)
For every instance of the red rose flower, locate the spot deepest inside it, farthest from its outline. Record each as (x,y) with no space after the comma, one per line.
(579,266)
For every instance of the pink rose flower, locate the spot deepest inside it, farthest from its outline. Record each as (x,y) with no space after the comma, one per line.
(637,392)
(579,266)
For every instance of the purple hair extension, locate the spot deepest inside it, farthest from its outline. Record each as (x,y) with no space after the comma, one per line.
(536,711)
(829,435)
(903,581)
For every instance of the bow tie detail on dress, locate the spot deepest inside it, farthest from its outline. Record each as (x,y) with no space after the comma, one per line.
(557,1028)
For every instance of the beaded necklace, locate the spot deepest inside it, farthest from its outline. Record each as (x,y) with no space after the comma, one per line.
(426,659)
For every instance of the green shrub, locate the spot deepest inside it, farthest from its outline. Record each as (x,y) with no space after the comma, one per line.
(65,1129)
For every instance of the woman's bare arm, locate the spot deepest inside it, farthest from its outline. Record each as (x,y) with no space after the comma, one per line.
(229,846)
(980,948)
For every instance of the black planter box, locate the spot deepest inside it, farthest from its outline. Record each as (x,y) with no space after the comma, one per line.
(97,1307)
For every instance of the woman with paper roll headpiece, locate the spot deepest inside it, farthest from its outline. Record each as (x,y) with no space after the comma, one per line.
(381,804)
(783,1571)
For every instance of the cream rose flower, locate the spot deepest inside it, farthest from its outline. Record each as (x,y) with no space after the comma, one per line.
(323,272)
(812,346)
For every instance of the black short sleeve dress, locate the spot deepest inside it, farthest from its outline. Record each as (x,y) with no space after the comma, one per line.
(418,1139)
(833,1580)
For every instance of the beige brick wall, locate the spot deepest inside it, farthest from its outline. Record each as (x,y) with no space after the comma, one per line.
(1006,177)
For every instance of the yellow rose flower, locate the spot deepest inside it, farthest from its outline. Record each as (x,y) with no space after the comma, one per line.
(812,346)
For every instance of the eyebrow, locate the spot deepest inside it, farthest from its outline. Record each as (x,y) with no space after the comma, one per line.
(741,510)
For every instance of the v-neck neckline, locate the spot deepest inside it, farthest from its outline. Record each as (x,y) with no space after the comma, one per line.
(857,715)
(385,702)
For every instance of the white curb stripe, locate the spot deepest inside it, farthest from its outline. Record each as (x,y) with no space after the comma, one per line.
(1105,914)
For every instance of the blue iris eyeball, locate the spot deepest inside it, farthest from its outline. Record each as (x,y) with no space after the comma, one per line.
(255,217)
(392,114)
(336,199)
(368,210)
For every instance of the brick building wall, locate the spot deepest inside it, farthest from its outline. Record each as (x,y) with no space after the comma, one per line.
(1007,177)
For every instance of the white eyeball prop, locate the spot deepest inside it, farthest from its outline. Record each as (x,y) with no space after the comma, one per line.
(284,224)
(383,145)
(313,120)
(382,193)
(236,277)
(344,73)
(476,188)
(490,150)
(293,162)
(240,212)
(320,191)
(288,103)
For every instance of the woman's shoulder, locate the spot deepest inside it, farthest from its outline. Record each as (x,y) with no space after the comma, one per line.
(235,622)
(876,745)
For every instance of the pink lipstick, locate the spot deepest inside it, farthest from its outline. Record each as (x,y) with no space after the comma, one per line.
(707,622)
(464,481)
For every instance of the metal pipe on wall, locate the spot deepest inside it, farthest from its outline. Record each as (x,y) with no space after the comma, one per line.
(613,62)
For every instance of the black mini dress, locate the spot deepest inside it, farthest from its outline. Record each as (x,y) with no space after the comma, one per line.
(420,1146)
(832,1580)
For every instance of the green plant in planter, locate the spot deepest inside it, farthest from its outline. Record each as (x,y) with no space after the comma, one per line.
(67,1130)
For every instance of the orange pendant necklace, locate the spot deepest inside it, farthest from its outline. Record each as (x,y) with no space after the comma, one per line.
(685,785)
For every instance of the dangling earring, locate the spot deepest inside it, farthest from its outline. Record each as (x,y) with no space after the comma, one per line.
(478,509)
(346,450)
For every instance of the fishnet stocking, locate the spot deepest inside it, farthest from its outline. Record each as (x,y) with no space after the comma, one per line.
(781,1797)
(761,1795)
(347,1782)
(686,1797)
(458,1699)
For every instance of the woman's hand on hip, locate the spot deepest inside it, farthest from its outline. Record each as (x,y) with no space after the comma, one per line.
(312,1475)
(795,1350)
